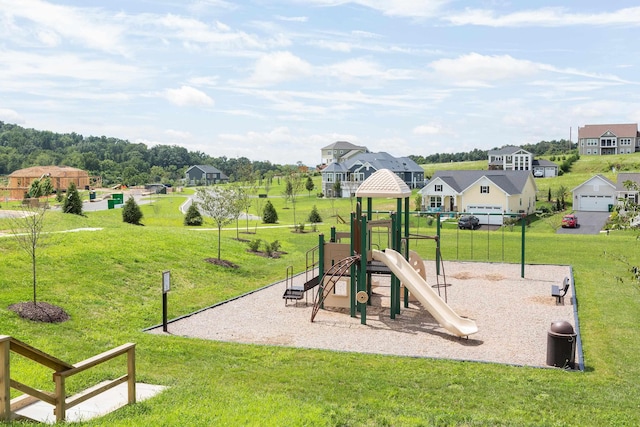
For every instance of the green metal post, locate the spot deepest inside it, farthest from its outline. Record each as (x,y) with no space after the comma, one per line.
(362,270)
(321,265)
(392,307)
(352,270)
(369,208)
(438,252)
(333,233)
(522,254)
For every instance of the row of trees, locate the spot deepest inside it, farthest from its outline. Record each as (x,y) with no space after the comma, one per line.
(117,161)
(542,148)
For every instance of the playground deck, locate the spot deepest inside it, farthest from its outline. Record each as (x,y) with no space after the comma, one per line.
(513,315)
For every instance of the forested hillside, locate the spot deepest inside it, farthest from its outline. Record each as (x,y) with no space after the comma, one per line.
(116,160)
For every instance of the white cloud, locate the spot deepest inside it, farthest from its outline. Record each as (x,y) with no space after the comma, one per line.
(401,8)
(55,23)
(10,116)
(188,96)
(475,69)
(292,18)
(429,129)
(178,134)
(278,67)
(545,17)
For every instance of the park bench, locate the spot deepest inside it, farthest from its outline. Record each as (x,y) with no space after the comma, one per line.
(559,292)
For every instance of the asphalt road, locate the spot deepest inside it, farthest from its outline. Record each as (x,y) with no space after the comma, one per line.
(588,223)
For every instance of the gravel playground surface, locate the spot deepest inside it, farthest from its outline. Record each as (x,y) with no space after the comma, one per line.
(513,315)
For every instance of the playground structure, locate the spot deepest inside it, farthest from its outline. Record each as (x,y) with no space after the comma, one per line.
(342,272)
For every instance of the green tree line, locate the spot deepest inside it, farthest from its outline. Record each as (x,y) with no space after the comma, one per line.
(116,160)
(542,148)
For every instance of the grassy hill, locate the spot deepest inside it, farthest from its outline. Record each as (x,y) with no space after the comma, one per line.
(109,281)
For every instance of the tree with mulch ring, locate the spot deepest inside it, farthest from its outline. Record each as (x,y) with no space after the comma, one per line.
(221,262)
(27,230)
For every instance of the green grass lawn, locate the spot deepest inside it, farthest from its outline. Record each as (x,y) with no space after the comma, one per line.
(109,281)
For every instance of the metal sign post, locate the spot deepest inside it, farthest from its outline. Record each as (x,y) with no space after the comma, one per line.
(166,286)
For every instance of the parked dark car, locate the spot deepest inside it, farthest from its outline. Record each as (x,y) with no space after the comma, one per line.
(469,222)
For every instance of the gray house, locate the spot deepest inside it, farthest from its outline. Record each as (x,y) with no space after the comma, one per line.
(597,194)
(204,175)
(354,170)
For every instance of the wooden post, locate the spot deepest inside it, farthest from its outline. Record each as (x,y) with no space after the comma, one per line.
(5,378)
(61,397)
(131,374)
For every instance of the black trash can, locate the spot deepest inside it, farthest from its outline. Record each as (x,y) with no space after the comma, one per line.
(561,345)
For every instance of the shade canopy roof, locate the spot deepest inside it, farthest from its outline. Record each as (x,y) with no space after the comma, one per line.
(384,183)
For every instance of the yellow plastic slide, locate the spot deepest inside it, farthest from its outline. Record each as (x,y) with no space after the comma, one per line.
(430,300)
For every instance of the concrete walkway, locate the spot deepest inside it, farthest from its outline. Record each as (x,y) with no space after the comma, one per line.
(97,406)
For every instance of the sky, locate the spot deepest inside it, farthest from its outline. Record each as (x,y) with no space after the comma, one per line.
(278,80)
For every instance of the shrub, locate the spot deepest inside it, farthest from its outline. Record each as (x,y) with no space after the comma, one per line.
(131,212)
(269,214)
(193,216)
(275,246)
(429,221)
(267,248)
(254,245)
(314,215)
(72,203)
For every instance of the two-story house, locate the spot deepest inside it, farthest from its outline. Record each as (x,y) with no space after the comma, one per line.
(486,194)
(608,139)
(353,171)
(204,175)
(340,151)
(511,158)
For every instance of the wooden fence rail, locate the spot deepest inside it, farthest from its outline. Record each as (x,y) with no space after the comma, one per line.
(62,371)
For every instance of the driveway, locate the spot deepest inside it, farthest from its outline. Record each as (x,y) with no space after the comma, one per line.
(588,223)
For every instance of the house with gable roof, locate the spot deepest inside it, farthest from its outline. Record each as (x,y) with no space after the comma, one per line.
(608,139)
(340,151)
(486,194)
(596,194)
(204,175)
(517,158)
(352,171)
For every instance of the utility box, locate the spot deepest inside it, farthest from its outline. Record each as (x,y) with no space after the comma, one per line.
(561,345)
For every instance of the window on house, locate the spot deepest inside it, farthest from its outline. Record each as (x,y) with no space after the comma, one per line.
(484,189)
(435,201)
(438,188)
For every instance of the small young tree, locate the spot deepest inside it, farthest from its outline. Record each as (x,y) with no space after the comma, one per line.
(193,216)
(72,203)
(35,190)
(219,204)
(418,201)
(309,185)
(337,189)
(314,216)
(269,215)
(46,187)
(27,230)
(131,212)
(549,195)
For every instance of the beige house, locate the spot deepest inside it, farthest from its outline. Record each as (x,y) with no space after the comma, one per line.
(487,194)
(61,177)
(608,139)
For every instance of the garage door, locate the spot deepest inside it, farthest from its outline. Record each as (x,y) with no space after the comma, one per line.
(595,203)
(486,214)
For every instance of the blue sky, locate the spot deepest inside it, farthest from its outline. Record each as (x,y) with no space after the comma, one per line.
(278,80)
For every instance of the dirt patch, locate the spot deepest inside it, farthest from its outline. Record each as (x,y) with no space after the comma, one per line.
(463,275)
(494,277)
(221,263)
(40,312)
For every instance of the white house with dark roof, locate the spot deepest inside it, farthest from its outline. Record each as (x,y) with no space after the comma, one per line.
(516,158)
(204,175)
(340,151)
(608,139)
(353,171)
(486,194)
(628,187)
(596,194)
